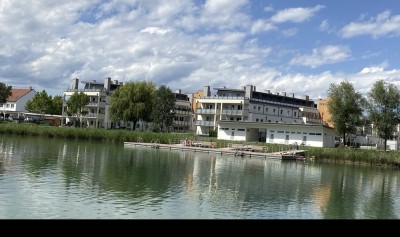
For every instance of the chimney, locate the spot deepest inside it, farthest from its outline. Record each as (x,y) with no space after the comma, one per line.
(178,91)
(75,83)
(306,97)
(107,82)
(268,91)
(291,95)
(207,91)
(30,88)
(283,93)
(248,91)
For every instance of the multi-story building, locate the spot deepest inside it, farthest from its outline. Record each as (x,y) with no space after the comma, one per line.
(100,97)
(249,115)
(183,113)
(322,106)
(16,102)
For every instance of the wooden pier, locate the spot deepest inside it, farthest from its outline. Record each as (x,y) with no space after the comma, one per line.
(222,151)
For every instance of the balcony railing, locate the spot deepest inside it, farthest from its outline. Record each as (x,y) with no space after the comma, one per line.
(224,97)
(205,123)
(181,123)
(183,112)
(205,111)
(232,112)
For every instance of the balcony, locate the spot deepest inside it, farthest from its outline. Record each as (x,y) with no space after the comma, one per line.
(232,112)
(181,123)
(183,112)
(205,111)
(205,123)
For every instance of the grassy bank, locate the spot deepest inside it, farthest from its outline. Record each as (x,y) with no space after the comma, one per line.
(340,155)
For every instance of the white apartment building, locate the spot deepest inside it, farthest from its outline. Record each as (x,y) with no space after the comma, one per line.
(100,97)
(249,115)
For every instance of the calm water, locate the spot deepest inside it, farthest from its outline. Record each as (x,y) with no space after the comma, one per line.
(43,178)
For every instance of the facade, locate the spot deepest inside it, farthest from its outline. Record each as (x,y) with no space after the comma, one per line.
(15,104)
(249,115)
(322,106)
(100,96)
(183,113)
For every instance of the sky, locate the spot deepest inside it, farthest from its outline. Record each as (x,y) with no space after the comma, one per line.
(290,46)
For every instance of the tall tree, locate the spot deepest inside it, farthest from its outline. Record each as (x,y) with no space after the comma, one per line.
(76,105)
(163,109)
(56,105)
(345,107)
(5,92)
(384,108)
(40,103)
(132,102)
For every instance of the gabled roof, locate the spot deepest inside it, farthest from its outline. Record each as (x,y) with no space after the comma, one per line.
(16,94)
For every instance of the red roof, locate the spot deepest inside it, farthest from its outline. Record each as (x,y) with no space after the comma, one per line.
(16,94)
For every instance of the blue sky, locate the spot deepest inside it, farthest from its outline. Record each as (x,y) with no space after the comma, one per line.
(291,46)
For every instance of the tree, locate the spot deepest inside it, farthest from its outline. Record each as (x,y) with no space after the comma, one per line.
(132,102)
(345,107)
(5,92)
(40,103)
(163,109)
(76,105)
(384,108)
(56,105)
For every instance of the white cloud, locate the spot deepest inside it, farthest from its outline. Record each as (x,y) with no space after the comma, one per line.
(262,26)
(290,32)
(156,30)
(328,54)
(324,26)
(382,25)
(296,15)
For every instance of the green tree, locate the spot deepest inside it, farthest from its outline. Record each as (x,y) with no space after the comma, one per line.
(76,105)
(5,92)
(40,103)
(384,108)
(56,105)
(132,102)
(345,106)
(163,112)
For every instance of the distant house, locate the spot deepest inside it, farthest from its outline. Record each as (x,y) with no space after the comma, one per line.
(15,104)
(99,93)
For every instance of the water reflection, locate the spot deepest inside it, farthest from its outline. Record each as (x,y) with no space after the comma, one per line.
(55,178)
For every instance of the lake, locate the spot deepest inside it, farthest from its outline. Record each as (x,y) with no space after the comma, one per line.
(45,178)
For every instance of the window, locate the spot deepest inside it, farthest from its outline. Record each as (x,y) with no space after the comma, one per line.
(269,121)
(262,120)
(256,120)
(12,106)
(294,114)
(271,136)
(281,111)
(240,129)
(240,107)
(254,107)
(287,138)
(266,109)
(274,111)
(259,108)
